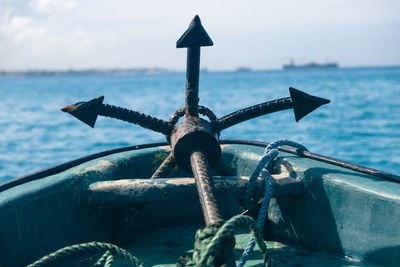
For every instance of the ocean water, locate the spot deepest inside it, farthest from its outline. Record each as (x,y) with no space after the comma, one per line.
(360,125)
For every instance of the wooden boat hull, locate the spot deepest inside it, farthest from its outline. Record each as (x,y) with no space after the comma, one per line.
(317,205)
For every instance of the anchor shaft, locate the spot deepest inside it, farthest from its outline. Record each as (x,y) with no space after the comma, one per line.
(205,187)
(192,81)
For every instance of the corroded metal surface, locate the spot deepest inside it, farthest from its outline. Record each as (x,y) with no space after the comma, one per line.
(253,111)
(192,39)
(301,103)
(192,81)
(191,134)
(173,119)
(144,120)
(88,112)
(205,187)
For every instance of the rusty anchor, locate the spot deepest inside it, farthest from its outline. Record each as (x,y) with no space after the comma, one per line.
(194,141)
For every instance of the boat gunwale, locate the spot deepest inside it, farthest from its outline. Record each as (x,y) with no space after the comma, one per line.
(73,163)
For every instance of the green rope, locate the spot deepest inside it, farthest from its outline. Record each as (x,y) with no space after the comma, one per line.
(202,239)
(209,240)
(103,258)
(109,261)
(91,247)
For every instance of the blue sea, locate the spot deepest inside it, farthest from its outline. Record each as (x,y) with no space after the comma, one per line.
(360,125)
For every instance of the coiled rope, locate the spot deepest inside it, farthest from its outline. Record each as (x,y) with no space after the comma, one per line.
(270,153)
(91,247)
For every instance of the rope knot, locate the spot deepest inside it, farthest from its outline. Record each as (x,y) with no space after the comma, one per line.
(205,244)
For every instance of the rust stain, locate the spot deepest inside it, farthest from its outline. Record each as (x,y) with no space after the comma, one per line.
(72,108)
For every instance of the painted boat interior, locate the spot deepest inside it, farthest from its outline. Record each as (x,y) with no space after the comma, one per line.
(321,211)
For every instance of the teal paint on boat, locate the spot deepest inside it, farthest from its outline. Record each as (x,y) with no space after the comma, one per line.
(320,211)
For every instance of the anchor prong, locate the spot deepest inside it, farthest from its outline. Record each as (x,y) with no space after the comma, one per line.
(192,39)
(301,103)
(88,112)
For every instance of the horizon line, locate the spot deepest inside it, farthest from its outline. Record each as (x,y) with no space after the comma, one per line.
(156,70)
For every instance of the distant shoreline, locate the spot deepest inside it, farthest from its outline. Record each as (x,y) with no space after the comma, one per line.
(84,72)
(155,70)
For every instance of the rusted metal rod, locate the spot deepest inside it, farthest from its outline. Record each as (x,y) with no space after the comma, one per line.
(192,39)
(88,111)
(146,121)
(205,187)
(253,112)
(165,167)
(208,201)
(192,81)
(301,103)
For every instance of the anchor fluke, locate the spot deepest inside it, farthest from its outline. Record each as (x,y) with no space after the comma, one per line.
(195,35)
(87,112)
(304,104)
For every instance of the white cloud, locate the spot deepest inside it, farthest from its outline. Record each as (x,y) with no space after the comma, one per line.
(21,30)
(43,5)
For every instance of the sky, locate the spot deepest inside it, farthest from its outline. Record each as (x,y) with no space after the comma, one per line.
(261,34)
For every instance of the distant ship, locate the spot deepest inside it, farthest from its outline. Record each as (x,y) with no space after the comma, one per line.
(243,69)
(311,65)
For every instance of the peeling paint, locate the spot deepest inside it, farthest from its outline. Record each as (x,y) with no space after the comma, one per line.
(99,166)
(181,181)
(166,148)
(247,178)
(126,184)
(280,176)
(252,156)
